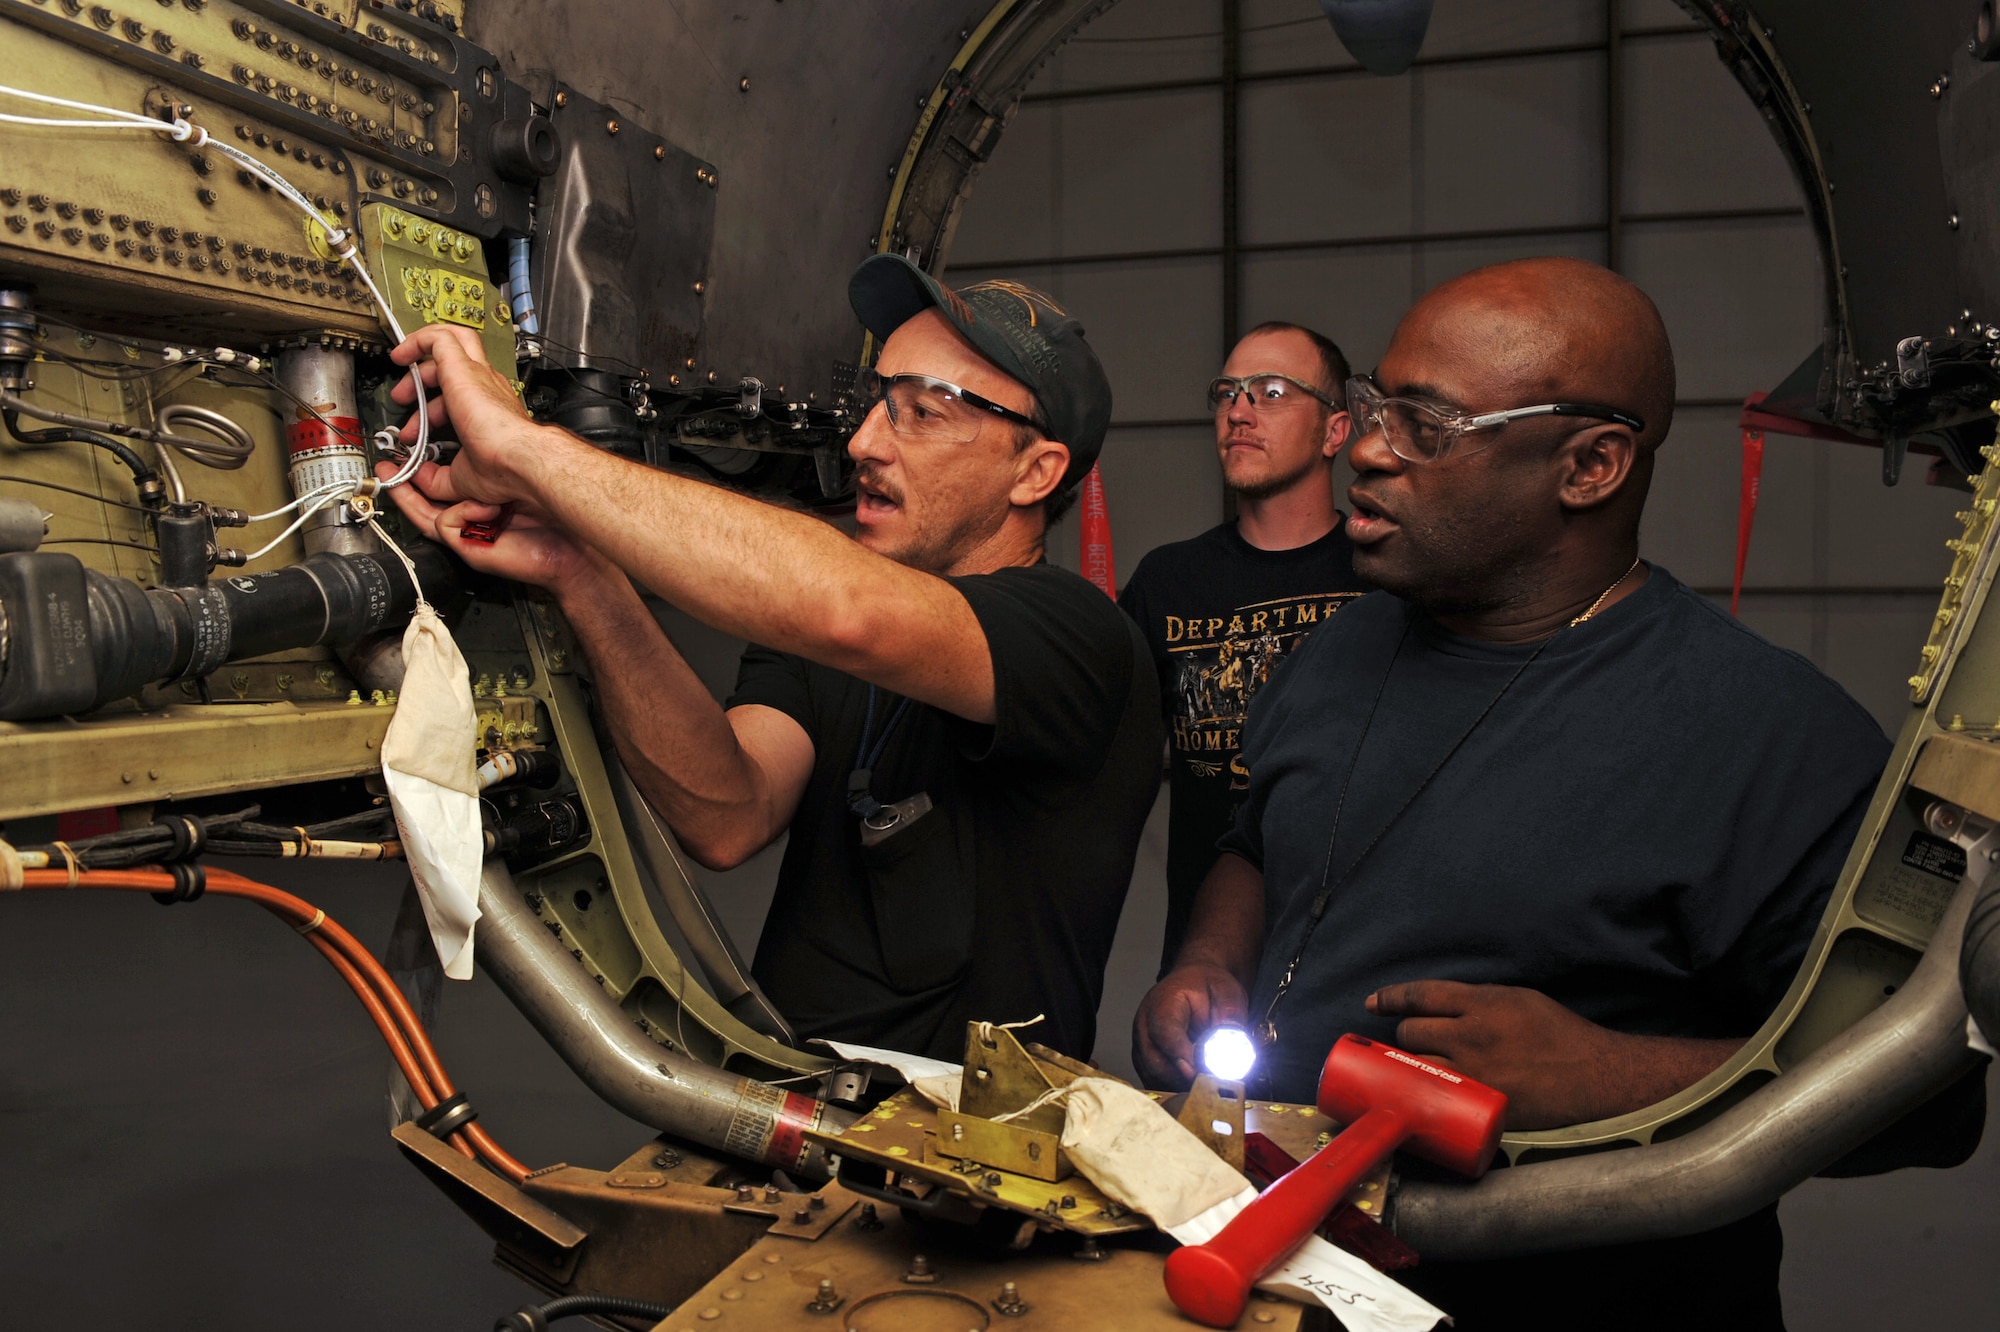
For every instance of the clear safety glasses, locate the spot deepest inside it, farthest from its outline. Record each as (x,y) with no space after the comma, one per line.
(1420,431)
(1266,392)
(924,408)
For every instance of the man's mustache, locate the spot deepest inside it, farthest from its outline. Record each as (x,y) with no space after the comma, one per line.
(871,476)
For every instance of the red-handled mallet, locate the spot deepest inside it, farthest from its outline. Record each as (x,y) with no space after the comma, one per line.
(1388,1100)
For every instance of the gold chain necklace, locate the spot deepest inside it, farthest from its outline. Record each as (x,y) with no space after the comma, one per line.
(1595,605)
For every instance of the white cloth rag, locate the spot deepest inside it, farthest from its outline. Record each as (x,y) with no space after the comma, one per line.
(427,763)
(1133,1150)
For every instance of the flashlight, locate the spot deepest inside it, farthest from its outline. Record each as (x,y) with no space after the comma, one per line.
(1227,1052)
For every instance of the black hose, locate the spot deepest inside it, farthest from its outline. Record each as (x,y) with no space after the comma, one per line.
(148,481)
(537,1317)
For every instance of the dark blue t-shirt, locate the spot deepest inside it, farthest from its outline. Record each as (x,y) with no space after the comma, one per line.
(1645,828)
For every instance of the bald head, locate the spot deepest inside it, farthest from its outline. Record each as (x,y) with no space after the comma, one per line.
(1527,517)
(1557,329)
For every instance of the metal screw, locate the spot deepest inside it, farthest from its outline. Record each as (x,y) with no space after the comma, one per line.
(802,1217)
(660,152)
(1952,221)
(562,99)
(1091,1252)
(745,1193)
(743,85)
(770,1193)
(920,1273)
(1010,1303)
(868,1220)
(610,127)
(817,1202)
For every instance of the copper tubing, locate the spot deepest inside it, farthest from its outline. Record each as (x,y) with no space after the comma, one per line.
(408,1043)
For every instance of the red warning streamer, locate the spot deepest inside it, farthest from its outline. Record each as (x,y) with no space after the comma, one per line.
(1096,553)
(1746,507)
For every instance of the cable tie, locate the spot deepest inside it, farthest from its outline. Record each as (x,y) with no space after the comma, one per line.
(69,857)
(305,842)
(319,919)
(447,1116)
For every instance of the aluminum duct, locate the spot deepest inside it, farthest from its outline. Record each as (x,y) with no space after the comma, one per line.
(636,1075)
(1847,1091)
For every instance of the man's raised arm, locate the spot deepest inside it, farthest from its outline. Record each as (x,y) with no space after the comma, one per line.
(784,579)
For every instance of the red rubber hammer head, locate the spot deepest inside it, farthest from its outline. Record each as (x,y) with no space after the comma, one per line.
(1447,1117)
(1385,1099)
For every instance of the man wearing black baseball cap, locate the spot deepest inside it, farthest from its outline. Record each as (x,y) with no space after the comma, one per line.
(962,740)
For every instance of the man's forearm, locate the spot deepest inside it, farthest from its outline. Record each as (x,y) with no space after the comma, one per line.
(672,736)
(1633,1072)
(784,579)
(1226,927)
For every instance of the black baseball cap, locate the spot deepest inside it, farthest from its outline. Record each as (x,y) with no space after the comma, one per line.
(1021,330)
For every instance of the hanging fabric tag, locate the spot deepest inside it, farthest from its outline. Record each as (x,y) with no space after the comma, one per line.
(427,763)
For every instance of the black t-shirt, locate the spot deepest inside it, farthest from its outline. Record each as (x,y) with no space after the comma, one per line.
(1220,615)
(1001,902)
(1646,828)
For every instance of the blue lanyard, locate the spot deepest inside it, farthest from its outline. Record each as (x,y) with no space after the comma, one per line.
(860,798)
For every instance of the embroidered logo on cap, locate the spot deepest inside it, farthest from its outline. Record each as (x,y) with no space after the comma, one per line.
(1026,295)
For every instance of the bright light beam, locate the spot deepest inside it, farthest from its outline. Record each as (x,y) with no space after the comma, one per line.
(1228,1052)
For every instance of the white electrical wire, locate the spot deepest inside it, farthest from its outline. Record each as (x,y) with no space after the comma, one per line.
(338,238)
(324,499)
(330,488)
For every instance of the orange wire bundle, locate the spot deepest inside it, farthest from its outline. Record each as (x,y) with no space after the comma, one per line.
(391,1012)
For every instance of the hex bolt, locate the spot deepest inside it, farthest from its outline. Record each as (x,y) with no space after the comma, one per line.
(771,1193)
(1010,1304)
(825,1301)
(745,1193)
(869,1219)
(920,1273)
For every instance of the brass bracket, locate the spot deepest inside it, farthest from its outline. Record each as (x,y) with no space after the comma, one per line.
(1002,1078)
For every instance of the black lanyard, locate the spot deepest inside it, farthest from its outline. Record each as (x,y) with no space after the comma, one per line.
(1267,1029)
(860,798)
